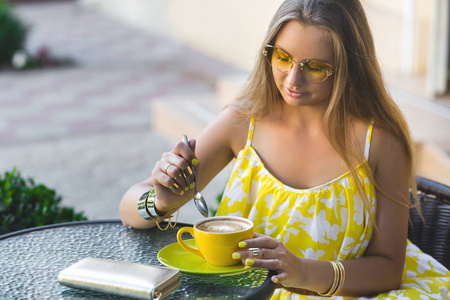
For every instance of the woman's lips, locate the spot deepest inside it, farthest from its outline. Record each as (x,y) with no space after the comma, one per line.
(292,93)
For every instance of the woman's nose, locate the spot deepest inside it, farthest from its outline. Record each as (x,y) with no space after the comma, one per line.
(295,76)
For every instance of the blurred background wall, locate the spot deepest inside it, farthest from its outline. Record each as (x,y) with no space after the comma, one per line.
(411,38)
(411,35)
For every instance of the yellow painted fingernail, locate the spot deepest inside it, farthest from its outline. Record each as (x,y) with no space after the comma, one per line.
(186,188)
(275,280)
(249,262)
(236,255)
(192,185)
(181,193)
(194,162)
(242,244)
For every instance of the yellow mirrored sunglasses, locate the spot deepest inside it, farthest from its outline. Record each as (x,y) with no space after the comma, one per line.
(313,70)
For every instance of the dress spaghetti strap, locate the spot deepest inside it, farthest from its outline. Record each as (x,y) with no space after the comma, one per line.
(368,140)
(251,127)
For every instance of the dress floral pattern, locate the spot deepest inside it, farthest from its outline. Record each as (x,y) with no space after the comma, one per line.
(326,222)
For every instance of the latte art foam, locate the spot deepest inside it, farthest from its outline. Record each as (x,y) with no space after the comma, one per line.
(223,226)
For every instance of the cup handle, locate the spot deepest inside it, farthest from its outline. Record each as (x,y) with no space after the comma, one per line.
(189,230)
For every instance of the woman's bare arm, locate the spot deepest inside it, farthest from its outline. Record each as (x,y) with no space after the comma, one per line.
(214,148)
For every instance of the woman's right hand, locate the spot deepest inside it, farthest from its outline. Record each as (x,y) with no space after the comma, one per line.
(213,150)
(172,177)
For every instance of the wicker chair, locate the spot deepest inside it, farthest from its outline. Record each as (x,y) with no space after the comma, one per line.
(432,235)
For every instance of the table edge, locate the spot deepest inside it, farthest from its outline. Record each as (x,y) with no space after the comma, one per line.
(49,226)
(64,224)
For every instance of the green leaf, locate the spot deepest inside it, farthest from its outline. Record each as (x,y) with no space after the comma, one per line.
(13,33)
(24,204)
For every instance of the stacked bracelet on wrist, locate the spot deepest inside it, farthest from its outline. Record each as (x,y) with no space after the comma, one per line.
(338,279)
(146,206)
(146,209)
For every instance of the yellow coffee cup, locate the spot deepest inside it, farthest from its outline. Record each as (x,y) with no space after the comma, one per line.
(217,238)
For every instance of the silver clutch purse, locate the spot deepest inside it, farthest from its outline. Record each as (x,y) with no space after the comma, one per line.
(121,278)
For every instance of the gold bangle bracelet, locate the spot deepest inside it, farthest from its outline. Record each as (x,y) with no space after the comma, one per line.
(342,277)
(335,282)
(338,279)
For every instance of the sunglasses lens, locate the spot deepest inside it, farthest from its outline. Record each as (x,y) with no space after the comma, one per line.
(312,70)
(316,71)
(281,60)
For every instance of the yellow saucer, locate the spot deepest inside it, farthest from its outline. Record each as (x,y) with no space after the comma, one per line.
(174,256)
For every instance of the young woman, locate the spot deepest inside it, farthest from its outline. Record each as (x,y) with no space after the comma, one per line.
(324,164)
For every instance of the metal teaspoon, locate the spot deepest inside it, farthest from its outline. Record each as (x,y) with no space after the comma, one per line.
(198,198)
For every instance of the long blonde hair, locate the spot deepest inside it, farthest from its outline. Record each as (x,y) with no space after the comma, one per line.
(358,91)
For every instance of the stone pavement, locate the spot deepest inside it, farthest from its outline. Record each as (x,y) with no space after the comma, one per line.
(86,130)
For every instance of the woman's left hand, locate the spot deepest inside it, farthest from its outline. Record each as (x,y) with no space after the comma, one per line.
(271,254)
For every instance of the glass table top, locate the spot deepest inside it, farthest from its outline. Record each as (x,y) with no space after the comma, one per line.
(30,261)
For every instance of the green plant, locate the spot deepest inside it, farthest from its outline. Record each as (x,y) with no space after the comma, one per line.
(22,60)
(12,33)
(218,199)
(23,204)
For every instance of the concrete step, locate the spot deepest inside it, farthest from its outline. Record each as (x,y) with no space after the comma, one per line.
(228,87)
(175,115)
(433,163)
(429,121)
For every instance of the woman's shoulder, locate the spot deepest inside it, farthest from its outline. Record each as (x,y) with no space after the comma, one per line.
(234,120)
(377,134)
(385,148)
(234,114)
(231,126)
(374,138)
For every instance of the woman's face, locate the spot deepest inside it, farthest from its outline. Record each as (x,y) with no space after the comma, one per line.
(302,42)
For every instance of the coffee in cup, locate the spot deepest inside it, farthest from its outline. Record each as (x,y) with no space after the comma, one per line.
(217,238)
(223,225)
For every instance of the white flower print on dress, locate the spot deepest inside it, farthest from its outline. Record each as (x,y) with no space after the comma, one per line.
(325,222)
(310,253)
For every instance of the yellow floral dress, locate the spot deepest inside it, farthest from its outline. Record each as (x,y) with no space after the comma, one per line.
(326,222)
